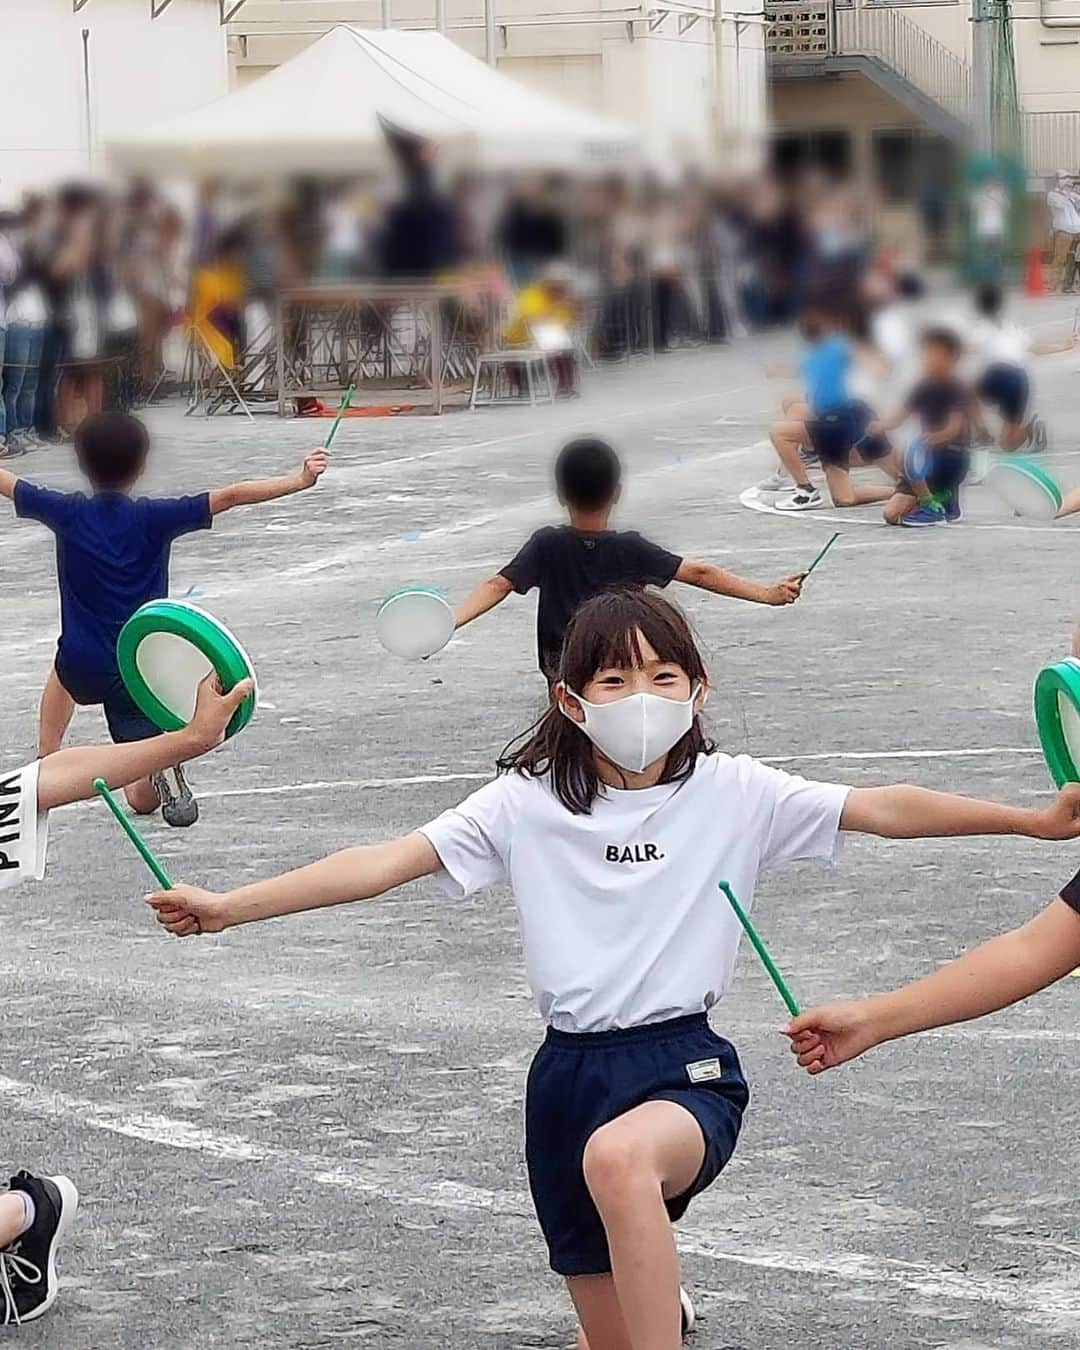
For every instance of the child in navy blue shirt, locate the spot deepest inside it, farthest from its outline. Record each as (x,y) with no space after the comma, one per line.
(112,555)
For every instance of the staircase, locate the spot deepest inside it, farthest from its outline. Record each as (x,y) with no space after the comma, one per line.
(807,39)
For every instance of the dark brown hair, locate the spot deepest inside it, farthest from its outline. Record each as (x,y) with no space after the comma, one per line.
(111,449)
(606,632)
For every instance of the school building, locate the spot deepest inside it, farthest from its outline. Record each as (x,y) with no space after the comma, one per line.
(883,89)
(689,74)
(886,89)
(76,72)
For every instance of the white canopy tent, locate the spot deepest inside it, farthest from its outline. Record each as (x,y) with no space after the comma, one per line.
(320,112)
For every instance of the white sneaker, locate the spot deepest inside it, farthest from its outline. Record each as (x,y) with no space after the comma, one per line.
(980,466)
(799,500)
(778,481)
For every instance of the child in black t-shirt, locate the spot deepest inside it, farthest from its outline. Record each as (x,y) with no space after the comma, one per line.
(572,563)
(937,460)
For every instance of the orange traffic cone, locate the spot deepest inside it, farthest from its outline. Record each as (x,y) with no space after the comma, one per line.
(1034,279)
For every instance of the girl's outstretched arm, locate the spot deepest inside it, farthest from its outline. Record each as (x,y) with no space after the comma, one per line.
(906,812)
(68,775)
(989,977)
(353,874)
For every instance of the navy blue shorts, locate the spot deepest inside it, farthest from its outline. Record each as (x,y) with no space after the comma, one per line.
(90,688)
(943,468)
(835,434)
(1006,388)
(579,1082)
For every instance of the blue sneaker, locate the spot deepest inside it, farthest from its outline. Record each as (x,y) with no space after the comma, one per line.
(953,510)
(924,515)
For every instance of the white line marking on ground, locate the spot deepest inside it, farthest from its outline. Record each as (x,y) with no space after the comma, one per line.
(752,502)
(350,552)
(399,1185)
(483,775)
(627,414)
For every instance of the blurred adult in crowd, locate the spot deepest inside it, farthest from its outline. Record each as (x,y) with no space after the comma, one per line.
(419,234)
(144,276)
(666,254)
(1064,211)
(70,378)
(23,303)
(532,231)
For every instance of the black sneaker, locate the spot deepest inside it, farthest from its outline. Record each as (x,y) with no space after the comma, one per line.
(28,1283)
(179,808)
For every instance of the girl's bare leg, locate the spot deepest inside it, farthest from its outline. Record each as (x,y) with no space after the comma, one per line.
(599,1313)
(55,714)
(631,1165)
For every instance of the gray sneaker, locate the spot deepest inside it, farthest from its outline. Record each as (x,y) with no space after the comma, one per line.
(777,481)
(1037,436)
(178,809)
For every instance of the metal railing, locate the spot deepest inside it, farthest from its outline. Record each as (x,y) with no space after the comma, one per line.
(927,64)
(814,31)
(1051,141)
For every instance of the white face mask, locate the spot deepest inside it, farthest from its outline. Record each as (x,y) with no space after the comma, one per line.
(636,731)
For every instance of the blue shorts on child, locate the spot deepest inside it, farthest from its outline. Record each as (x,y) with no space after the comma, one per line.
(581,1081)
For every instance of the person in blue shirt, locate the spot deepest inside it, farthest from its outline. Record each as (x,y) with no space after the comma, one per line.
(112,555)
(829,424)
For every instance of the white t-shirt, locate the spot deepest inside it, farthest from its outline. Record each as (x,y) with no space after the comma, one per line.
(621,916)
(24,831)
(998,343)
(892,338)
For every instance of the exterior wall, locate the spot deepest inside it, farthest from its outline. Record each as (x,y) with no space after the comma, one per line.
(656,78)
(138,68)
(836,103)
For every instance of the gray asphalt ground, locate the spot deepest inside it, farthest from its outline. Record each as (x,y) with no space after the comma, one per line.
(308,1133)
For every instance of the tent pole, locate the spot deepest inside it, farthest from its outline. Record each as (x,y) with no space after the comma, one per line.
(387,16)
(489,33)
(440,16)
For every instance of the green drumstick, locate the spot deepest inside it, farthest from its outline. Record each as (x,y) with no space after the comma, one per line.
(341,413)
(133,834)
(821,555)
(760,948)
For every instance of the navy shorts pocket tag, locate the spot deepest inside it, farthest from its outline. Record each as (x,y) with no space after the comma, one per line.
(704,1071)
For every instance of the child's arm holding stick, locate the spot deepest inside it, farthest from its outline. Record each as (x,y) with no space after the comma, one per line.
(255,491)
(992,976)
(353,874)
(709,577)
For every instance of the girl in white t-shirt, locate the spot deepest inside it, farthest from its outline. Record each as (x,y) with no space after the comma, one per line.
(612,822)
(37,1211)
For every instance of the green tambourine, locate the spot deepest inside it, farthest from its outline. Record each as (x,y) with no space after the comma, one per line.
(1025,487)
(166,649)
(1057,716)
(415,622)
